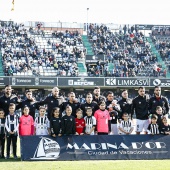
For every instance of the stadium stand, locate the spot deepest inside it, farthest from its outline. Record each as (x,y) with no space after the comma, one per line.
(160,38)
(126,52)
(31,52)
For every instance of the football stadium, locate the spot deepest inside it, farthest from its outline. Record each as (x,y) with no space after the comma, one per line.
(84,85)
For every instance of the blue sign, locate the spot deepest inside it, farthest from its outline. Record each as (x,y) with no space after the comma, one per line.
(122,147)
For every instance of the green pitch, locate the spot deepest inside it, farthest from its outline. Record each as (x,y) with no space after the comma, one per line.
(86,165)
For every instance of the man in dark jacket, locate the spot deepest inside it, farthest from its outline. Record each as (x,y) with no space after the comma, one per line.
(8,98)
(125,104)
(140,107)
(53,100)
(89,103)
(111,102)
(30,102)
(73,102)
(97,97)
(158,100)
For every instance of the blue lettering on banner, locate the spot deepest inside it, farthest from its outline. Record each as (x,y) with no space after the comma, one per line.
(95,147)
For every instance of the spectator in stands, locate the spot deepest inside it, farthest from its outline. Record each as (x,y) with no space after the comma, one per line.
(155,70)
(125,29)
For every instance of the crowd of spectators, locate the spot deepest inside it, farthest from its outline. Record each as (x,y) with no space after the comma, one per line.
(128,49)
(161,30)
(162,45)
(34,51)
(27,51)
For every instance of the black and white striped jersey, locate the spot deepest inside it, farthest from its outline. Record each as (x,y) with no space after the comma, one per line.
(12,124)
(126,126)
(90,122)
(153,129)
(2,126)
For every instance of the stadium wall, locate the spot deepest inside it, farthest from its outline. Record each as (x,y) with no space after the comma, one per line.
(84,81)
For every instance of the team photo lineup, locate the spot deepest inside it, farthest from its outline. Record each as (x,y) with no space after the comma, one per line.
(97,115)
(84,85)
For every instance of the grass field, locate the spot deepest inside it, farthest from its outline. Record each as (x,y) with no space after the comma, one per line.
(87,165)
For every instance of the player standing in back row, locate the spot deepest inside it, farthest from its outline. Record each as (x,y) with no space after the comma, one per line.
(158,100)
(53,100)
(140,107)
